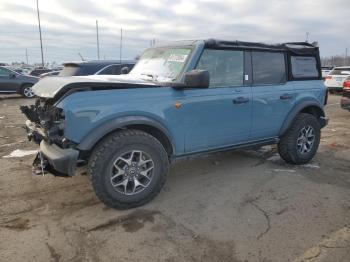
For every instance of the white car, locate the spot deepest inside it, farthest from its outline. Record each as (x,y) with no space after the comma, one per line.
(326,70)
(335,79)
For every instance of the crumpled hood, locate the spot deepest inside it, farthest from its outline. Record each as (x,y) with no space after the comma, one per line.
(51,87)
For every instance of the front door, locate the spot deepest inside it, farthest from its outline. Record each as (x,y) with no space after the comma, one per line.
(219,116)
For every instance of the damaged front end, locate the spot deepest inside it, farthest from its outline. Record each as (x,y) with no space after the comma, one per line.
(45,126)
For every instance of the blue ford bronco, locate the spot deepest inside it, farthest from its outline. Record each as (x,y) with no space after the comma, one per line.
(181,99)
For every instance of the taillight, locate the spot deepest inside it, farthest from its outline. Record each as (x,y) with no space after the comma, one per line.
(346,84)
(328,77)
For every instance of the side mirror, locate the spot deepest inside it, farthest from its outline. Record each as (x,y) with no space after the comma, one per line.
(345,72)
(197,79)
(124,70)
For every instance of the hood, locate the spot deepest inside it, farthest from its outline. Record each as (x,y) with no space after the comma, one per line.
(54,87)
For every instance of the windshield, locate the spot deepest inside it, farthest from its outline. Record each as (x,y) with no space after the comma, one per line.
(162,64)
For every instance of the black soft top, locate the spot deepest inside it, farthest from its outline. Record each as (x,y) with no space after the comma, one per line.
(297,48)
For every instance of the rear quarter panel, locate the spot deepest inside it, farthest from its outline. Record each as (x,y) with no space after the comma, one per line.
(310,90)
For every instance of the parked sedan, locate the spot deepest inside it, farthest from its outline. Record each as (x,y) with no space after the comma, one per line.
(13,82)
(38,71)
(345,100)
(335,79)
(96,67)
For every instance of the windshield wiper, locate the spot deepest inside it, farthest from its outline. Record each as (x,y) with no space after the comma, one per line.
(154,77)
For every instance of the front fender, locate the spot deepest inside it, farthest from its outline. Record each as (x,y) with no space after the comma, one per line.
(296,110)
(90,140)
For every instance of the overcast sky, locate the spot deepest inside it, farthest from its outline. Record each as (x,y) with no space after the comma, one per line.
(68,26)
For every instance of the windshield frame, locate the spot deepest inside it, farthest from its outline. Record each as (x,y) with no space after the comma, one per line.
(179,76)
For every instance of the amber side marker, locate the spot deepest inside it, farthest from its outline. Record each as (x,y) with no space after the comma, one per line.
(178,105)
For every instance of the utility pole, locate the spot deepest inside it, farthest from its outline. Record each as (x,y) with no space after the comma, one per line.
(98,42)
(41,40)
(27,56)
(121,45)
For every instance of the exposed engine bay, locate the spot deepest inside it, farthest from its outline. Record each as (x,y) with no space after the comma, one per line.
(45,122)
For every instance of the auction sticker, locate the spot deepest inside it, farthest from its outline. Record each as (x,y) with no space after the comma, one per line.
(177,58)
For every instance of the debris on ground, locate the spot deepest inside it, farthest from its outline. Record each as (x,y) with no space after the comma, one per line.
(311,166)
(284,170)
(274,158)
(21,153)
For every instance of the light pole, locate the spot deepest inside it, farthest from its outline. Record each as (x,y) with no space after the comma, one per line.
(97,41)
(121,46)
(41,40)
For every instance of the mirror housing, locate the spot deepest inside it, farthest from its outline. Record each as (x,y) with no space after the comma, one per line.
(345,72)
(124,70)
(197,79)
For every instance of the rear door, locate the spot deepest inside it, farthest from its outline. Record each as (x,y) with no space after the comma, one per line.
(220,115)
(273,96)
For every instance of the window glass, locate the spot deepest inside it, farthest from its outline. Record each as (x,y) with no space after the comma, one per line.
(162,64)
(225,67)
(4,72)
(268,68)
(304,66)
(111,70)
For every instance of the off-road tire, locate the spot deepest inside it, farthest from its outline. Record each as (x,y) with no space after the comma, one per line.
(23,91)
(287,146)
(113,146)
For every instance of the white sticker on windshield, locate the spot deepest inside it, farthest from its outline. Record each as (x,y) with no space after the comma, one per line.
(177,58)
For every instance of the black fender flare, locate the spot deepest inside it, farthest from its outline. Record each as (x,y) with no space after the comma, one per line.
(95,135)
(295,111)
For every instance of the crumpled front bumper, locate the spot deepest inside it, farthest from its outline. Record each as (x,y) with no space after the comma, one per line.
(52,158)
(57,160)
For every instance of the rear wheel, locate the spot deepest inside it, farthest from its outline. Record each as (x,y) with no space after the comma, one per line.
(128,169)
(27,91)
(300,143)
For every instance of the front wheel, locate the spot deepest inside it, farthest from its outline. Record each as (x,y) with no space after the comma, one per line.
(301,141)
(128,169)
(27,91)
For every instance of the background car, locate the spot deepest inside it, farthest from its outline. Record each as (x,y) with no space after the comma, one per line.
(345,100)
(326,70)
(52,73)
(39,71)
(13,82)
(95,67)
(335,79)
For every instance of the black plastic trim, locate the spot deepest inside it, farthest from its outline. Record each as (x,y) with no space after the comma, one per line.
(245,145)
(295,111)
(90,140)
(63,161)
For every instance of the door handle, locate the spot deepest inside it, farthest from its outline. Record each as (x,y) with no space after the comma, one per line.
(240,100)
(286,96)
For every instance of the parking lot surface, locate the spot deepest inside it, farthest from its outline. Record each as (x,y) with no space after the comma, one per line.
(234,206)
